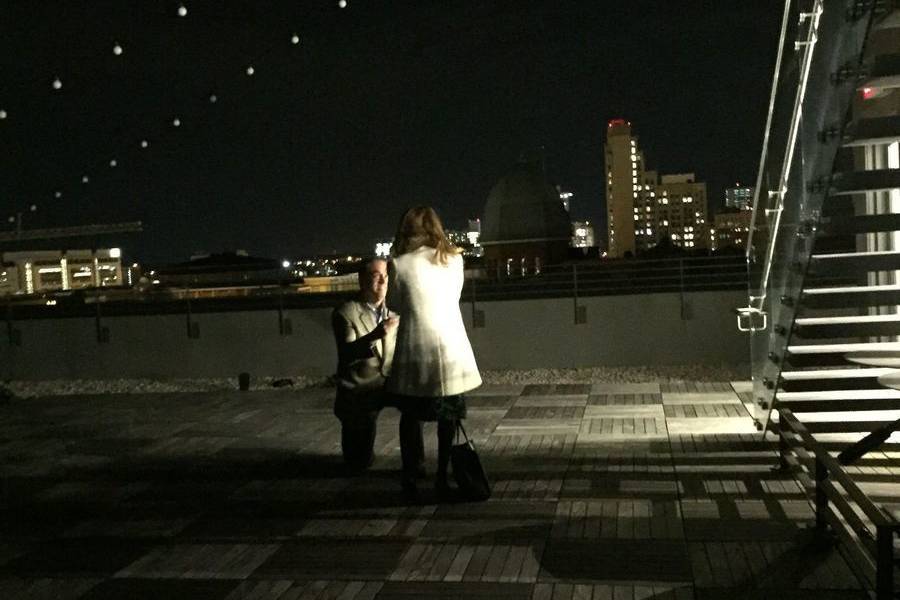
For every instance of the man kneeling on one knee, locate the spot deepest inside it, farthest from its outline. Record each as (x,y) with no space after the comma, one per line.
(365,332)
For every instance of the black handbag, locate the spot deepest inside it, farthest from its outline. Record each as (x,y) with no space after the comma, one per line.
(467,470)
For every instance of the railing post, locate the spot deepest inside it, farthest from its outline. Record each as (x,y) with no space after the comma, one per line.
(884,562)
(783,447)
(821,496)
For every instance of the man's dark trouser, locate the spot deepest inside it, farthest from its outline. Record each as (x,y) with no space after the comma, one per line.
(358,440)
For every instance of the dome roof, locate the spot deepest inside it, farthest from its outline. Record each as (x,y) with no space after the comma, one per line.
(524,207)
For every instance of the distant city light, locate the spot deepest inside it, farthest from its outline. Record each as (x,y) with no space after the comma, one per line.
(383,249)
(115,252)
(286,264)
(57,84)
(117,50)
(182,11)
(295,39)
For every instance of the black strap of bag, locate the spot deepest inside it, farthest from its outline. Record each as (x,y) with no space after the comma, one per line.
(459,427)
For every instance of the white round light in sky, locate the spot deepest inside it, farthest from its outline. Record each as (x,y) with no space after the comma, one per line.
(117,50)
(57,84)
(295,39)
(213,98)
(2,114)
(182,11)
(176,122)
(251,70)
(113,163)
(57,194)
(144,143)
(85,179)
(33,208)
(342,3)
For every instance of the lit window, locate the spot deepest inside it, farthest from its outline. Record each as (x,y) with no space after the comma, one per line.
(665,223)
(636,217)
(634,180)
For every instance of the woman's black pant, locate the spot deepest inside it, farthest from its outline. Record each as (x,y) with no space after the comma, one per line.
(412,445)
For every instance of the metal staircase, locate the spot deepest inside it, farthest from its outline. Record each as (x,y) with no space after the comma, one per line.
(824,261)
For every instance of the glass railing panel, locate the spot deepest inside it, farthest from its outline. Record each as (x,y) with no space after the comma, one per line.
(795,167)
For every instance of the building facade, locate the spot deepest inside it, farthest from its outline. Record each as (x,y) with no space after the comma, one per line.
(582,234)
(644,209)
(739,197)
(731,228)
(41,271)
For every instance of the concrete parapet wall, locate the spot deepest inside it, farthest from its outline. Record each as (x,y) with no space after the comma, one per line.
(627,330)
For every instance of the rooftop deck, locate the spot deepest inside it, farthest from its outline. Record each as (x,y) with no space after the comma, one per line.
(603,491)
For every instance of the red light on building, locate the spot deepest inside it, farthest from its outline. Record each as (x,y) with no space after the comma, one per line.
(869,92)
(617,122)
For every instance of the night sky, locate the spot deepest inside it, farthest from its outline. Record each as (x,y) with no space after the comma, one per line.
(382,105)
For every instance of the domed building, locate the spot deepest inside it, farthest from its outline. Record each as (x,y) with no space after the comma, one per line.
(525,225)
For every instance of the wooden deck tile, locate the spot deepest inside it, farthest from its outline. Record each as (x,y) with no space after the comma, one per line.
(601,491)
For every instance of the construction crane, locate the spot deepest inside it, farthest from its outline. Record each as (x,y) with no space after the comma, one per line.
(22,235)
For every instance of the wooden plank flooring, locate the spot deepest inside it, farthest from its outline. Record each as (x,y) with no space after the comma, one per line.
(601,492)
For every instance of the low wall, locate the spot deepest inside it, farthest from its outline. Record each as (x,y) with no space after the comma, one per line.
(628,330)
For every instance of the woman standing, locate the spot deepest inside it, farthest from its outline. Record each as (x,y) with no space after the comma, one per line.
(433,361)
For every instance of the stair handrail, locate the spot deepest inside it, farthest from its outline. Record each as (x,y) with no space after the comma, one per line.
(808,44)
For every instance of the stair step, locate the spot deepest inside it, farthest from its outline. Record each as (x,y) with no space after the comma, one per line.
(844,348)
(826,355)
(839,405)
(881,130)
(858,182)
(850,296)
(855,262)
(883,72)
(859,224)
(821,374)
(842,426)
(847,326)
(831,379)
(881,393)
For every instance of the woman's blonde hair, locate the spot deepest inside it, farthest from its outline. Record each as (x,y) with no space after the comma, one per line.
(421,226)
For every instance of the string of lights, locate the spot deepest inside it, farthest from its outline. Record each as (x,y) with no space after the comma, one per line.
(138,138)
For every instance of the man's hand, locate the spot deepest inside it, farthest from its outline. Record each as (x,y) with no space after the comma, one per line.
(386,327)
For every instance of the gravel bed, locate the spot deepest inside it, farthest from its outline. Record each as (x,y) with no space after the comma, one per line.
(662,374)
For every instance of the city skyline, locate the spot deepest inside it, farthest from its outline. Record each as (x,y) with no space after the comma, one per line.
(257,142)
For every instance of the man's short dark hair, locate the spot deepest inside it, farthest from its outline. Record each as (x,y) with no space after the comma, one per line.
(364,265)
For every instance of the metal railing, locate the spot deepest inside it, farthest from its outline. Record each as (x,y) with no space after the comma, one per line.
(626,276)
(865,529)
(819,51)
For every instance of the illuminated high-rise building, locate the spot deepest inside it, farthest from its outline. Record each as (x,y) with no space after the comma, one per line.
(739,197)
(642,208)
(624,172)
